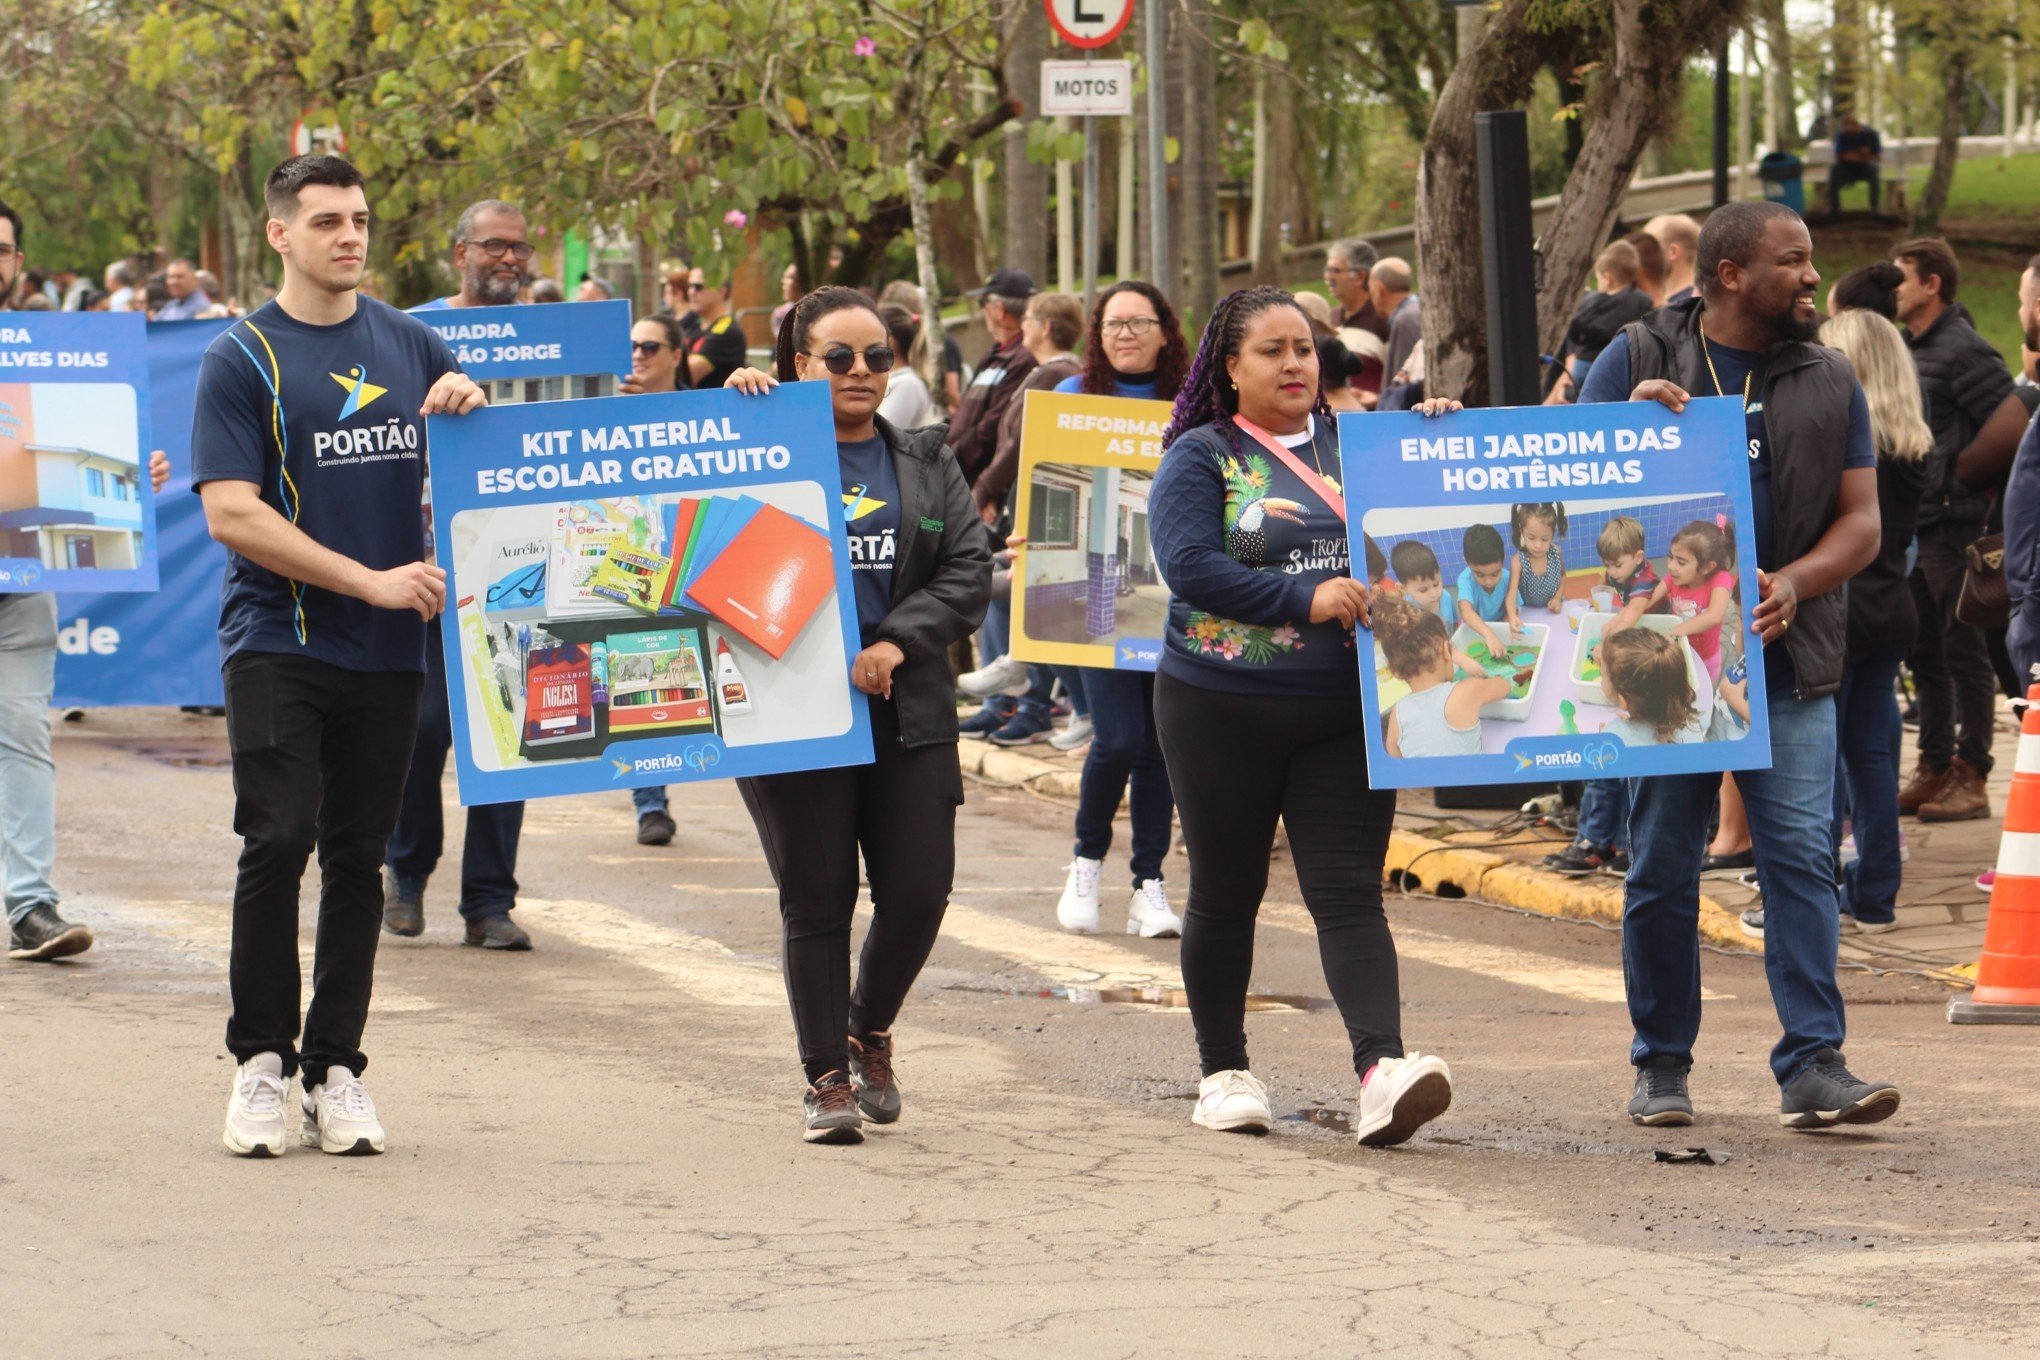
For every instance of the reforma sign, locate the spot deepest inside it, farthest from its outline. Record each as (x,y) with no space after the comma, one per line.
(1099,89)
(1089,23)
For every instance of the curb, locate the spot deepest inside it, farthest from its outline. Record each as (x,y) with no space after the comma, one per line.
(1414,863)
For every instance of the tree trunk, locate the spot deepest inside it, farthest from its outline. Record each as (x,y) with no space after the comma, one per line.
(1842,53)
(1784,132)
(924,262)
(1634,97)
(1933,200)
(1025,190)
(1276,186)
(1200,162)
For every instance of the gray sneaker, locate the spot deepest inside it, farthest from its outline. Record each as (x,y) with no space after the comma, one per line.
(1661,1099)
(1827,1093)
(831,1108)
(878,1093)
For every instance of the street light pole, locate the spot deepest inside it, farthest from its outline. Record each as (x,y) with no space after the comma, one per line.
(1157,154)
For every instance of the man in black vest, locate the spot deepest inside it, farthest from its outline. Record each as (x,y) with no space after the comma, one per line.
(1813,492)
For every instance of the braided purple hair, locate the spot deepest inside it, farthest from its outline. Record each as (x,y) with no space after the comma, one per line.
(1207,393)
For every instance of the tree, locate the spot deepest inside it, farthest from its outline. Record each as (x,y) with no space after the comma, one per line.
(1635,52)
(1956,39)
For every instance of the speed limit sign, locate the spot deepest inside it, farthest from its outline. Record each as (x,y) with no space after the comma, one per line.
(1089,23)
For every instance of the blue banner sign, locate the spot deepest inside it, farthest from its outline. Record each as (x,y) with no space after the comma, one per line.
(550,340)
(1622,534)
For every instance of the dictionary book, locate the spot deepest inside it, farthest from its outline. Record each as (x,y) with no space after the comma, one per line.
(559,698)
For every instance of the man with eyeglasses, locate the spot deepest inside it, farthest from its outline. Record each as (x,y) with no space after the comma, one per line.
(718,350)
(1349,268)
(491,254)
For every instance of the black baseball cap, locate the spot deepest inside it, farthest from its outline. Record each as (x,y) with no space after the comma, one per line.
(1015,283)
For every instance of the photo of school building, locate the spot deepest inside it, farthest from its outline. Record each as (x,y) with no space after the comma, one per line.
(1089,571)
(70,475)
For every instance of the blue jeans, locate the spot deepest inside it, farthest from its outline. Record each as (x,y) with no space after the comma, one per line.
(1789,809)
(1072,678)
(1124,749)
(650,799)
(1866,784)
(488,862)
(994,633)
(1604,813)
(28,776)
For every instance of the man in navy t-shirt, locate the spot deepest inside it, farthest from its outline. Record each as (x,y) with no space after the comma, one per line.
(308,447)
(1751,334)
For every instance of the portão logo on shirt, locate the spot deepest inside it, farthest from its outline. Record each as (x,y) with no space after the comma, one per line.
(868,552)
(396,438)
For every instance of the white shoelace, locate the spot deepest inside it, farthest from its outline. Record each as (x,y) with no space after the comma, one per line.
(262,1094)
(349,1099)
(1238,1082)
(1087,873)
(1157,897)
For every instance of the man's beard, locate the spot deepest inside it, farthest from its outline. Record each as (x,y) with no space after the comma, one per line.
(1788,326)
(498,291)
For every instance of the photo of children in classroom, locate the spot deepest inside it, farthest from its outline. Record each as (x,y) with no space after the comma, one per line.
(1494,623)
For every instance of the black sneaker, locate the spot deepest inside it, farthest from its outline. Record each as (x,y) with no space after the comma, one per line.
(878,1094)
(656,827)
(1617,864)
(1827,1094)
(403,903)
(1661,1099)
(1581,857)
(42,935)
(831,1106)
(496,932)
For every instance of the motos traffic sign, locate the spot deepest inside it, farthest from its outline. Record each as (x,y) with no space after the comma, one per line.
(1089,23)
(1098,89)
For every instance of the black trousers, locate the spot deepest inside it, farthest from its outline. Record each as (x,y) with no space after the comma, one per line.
(900,812)
(1237,762)
(488,862)
(1951,665)
(319,755)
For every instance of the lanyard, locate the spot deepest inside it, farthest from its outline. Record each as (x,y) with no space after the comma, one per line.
(1313,478)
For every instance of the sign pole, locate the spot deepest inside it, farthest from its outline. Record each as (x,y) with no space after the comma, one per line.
(1090,204)
(1160,271)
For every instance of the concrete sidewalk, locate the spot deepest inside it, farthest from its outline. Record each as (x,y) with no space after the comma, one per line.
(1493,857)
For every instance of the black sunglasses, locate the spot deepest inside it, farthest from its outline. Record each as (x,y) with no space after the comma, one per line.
(648,347)
(879,359)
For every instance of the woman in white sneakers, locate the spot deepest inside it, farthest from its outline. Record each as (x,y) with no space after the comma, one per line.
(1258,705)
(1135,349)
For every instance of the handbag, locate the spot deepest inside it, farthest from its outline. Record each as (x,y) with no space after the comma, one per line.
(1985,601)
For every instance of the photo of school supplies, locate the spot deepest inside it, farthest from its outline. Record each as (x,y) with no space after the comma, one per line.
(656,681)
(633,577)
(559,700)
(732,694)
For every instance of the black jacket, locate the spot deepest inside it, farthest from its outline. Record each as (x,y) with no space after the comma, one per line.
(941,581)
(1964,380)
(1807,393)
(1882,617)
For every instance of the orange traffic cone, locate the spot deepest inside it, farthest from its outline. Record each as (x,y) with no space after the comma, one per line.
(2008,976)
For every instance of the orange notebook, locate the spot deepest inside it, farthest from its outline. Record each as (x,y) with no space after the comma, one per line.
(769,581)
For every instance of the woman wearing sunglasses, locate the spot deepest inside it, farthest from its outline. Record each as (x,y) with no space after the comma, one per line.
(657,348)
(1135,349)
(921,568)
(1257,702)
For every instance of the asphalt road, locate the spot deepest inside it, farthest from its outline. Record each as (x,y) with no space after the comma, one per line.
(594,1148)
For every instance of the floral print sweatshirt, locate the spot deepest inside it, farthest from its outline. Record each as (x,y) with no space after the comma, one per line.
(1243,544)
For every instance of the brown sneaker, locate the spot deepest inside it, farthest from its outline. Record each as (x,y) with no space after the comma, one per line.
(1962,796)
(1922,787)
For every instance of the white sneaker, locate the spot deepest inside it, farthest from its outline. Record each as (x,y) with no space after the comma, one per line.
(255,1112)
(1074,734)
(1077,912)
(1232,1101)
(1003,676)
(1400,1097)
(340,1118)
(1148,914)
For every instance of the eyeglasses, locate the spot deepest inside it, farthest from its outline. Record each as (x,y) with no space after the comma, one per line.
(496,248)
(7,251)
(879,359)
(648,347)
(1129,325)
(695,288)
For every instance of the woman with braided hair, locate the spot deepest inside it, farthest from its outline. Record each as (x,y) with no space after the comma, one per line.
(1257,703)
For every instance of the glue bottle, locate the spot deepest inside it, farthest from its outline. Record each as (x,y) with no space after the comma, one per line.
(729,681)
(598,672)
